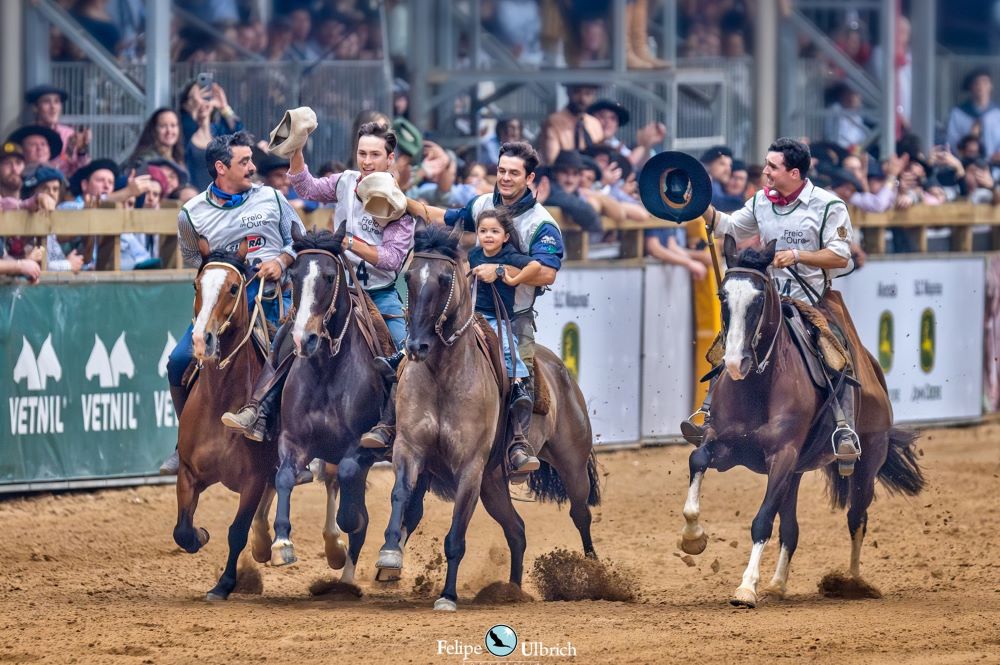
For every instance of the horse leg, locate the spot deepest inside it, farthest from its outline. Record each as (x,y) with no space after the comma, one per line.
(282,549)
(260,542)
(250,499)
(693,538)
(862,493)
(186,535)
(333,538)
(414,511)
(389,566)
(576,477)
(496,500)
(466,499)
(352,474)
(780,471)
(788,533)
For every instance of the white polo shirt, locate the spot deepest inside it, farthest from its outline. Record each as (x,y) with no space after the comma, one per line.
(817,220)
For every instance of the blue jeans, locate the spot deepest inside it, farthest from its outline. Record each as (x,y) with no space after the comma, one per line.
(388,302)
(182,354)
(515,366)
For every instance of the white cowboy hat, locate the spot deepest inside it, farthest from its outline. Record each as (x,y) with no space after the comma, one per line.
(292,132)
(381,197)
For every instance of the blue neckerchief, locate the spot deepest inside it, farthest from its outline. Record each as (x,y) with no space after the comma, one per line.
(973,112)
(228,200)
(524,204)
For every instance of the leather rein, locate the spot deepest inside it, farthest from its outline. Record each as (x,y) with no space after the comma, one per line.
(333,342)
(443,316)
(258,311)
(770,296)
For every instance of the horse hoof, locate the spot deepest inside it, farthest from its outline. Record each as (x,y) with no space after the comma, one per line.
(261,553)
(775,591)
(695,545)
(202,536)
(389,566)
(283,553)
(216,596)
(744,598)
(445,605)
(336,552)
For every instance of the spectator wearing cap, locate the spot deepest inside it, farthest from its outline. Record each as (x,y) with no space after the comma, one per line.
(95,183)
(273,171)
(12,181)
(46,102)
(613,116)
(718,161)
(409,151)
(175,175)
(978,110)
(40,145)
(565,192)
(571,128)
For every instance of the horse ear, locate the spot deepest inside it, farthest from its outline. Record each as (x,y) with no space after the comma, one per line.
(729,251)
(338,235)
(456,232)
(769,251)
(203,247)
(242,250)
(298,233)
(419,225)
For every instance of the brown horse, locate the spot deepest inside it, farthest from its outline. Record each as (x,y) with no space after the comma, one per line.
(210,453)
(767,417)
(448,406)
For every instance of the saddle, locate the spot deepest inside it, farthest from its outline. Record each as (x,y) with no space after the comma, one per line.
(372,325)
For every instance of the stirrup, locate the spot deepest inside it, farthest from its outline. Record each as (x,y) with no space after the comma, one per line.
(692,432)
(836,440)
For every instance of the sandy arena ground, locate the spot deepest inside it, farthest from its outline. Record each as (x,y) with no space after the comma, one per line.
(95,577)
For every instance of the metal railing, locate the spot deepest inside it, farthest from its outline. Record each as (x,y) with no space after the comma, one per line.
(259,93)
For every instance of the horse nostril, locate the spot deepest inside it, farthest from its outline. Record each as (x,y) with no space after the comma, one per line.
(311,343)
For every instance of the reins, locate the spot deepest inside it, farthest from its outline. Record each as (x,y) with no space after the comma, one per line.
(443,316)
(761,364)
(333,342)
(257,312)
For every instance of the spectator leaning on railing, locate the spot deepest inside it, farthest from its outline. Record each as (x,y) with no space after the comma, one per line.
(46,104)
(978,116)
(12,180)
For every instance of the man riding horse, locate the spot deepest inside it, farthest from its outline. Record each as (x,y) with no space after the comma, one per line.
(376,246)
(813,233)
(542,239)
(229,211)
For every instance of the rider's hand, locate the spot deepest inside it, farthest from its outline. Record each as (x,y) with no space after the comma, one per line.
(487,273)
(271,270)
(783,258)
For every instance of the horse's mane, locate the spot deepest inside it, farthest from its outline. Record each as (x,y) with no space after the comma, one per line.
(224,256)
(754,259)
(436,239)
(324,240)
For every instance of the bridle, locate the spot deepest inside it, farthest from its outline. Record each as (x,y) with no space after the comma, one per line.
(443,316)
(240,294)
(759,365)
(324,333)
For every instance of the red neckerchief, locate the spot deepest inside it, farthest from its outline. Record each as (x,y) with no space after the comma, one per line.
(775,197)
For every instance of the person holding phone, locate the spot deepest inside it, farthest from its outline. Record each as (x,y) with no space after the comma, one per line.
(205,114)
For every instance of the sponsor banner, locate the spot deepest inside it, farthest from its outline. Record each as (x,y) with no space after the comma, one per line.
(667,352)
(85,393)
(923,321)
(592,318)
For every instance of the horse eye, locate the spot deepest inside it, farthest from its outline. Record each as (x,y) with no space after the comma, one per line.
(329,279)
(234,289)
(406,276)
(444,278)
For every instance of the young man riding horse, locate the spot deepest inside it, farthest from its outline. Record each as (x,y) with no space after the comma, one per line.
(375,246)
(539,234)
(813,233)
(229,211)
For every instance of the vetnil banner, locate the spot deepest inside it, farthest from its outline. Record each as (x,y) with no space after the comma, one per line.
(86,392)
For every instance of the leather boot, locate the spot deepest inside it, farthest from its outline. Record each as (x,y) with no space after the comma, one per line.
(381,436)
(388,365)
(692,432)
(632,58)
(846,443)
(638,35)
(251,419)
(170,466)
(521,455)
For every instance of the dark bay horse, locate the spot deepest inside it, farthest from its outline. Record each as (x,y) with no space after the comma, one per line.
(332,395)
(209,453)
(448,405)
(765,418)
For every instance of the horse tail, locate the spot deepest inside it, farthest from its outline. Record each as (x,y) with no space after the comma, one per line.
(901,472)
(548,486)
(837,486)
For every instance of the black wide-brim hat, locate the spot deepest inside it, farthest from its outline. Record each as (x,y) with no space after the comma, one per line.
(675,186)
(50,135)
(85,172)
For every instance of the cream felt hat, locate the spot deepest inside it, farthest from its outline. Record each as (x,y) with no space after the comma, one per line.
(381,197)
(292,132)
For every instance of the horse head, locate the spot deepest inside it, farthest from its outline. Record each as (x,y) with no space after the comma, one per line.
(748,298)
(318,281)
(219,292)
(437,289)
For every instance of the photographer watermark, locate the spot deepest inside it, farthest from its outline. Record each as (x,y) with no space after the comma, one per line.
(502,642)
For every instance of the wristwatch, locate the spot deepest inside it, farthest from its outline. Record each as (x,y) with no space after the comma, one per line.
(500,271)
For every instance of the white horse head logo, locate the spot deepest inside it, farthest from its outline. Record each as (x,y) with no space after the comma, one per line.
(37,370)
(109,368)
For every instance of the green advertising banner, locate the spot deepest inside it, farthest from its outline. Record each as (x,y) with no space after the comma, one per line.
(85,393)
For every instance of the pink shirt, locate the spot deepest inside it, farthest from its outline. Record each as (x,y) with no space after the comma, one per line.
(395,236)
(66,163)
